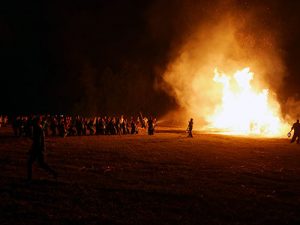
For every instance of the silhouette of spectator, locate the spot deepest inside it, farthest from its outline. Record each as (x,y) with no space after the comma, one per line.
(190,128)
(37,150)
(296,128)
(150,126)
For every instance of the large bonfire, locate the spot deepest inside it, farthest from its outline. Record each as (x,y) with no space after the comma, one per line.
(234,101)
(244,110)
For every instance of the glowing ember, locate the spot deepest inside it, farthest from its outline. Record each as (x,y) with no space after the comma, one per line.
(244,110)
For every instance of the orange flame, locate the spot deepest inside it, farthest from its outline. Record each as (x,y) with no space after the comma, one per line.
(244,110)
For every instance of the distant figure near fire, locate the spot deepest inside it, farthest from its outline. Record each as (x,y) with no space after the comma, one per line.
(150,126)
(37,150)
(296,128)
(190,128)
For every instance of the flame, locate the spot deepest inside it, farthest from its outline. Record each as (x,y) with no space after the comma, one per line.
(244,110)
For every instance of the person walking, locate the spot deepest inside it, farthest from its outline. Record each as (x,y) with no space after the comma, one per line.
(36,153)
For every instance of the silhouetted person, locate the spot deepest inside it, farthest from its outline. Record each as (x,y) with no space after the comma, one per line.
(190,128)
(296,128)
(150,126)
(90,126)
(37,150)
(79,126)
(102,126)
(134,129)
(62,129)
(4,121)
(53,126)
(15,126)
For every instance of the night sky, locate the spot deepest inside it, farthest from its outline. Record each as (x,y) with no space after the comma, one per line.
(107,56)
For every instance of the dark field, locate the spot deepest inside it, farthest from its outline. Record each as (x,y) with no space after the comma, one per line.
(161,179)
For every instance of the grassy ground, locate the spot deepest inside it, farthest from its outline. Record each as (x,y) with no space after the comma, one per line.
(161,179)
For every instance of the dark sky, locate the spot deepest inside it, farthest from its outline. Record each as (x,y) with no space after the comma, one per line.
(85,56)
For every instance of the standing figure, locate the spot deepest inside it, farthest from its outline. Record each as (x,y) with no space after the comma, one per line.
(45,125)
(134,129)
(118,126)
(102,126)
(190,128)
(62,128)
(150,126)
(78,125)
(5,121)
(15,126)
(296,128)
(123,124)
(37,150)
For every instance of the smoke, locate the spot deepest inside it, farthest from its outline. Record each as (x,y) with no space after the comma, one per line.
(228,36)
(292,107)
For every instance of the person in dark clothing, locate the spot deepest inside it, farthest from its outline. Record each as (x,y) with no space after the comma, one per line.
(118,126)
(84,126)
(15,126)
(53,126)
(29,127)
(134,129)
(190,128)
(111,127)
(79,126)
(98,128)
(90,126)
(102,126)
(21,125)
(296,128)
(150,126)
(62,128)
(36,153)
(45,126)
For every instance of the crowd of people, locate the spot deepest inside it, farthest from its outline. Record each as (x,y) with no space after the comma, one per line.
(37,127)
(61,125)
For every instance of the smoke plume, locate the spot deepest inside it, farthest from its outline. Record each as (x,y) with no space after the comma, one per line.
(229,36)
